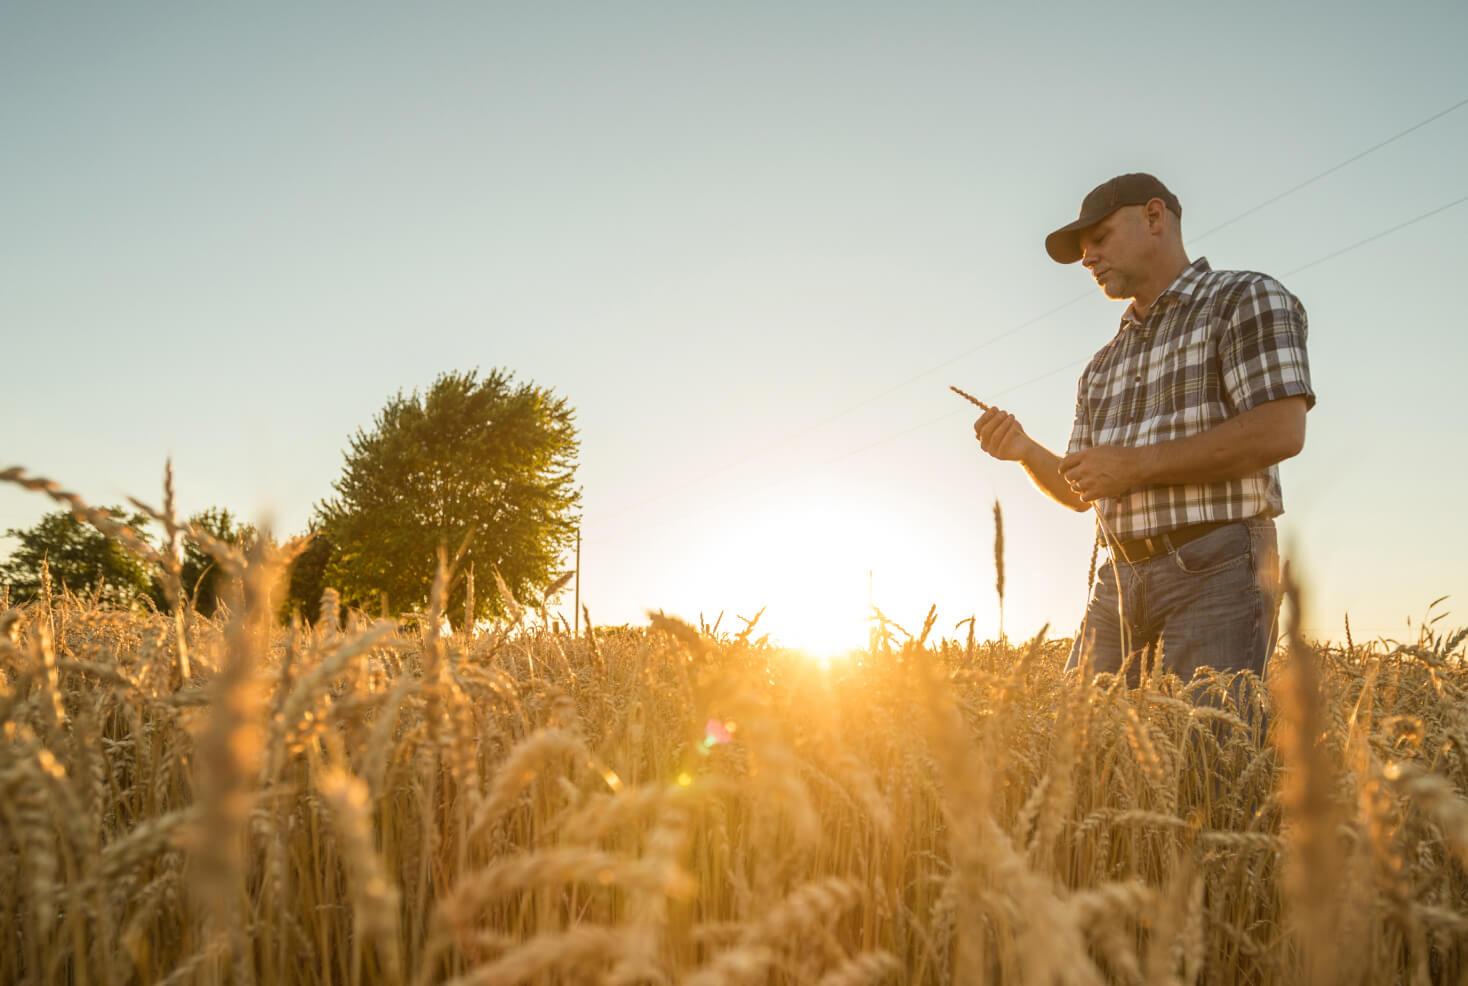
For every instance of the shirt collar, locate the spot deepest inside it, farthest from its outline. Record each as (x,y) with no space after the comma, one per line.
(1183,288)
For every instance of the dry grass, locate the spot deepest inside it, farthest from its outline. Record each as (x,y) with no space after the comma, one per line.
(187,800)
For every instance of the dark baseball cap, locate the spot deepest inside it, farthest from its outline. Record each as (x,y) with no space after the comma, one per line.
(1064,244)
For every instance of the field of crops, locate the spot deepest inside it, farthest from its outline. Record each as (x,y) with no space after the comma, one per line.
(236,800)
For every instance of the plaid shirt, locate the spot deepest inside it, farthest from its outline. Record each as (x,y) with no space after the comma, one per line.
(1215,344)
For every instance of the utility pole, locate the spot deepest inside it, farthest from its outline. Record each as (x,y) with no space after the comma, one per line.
(577,632)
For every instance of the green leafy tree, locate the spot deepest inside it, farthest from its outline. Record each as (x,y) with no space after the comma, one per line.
(308,576)
(483,459)
(200,575)
(79,557)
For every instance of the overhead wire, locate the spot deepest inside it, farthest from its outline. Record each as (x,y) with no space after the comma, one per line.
(791,436)
(1376,236)
(949,415)
(1334,168)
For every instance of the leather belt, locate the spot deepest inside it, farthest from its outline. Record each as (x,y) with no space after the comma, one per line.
(1141,549)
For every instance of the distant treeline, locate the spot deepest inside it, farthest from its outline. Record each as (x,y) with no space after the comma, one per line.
(481,468)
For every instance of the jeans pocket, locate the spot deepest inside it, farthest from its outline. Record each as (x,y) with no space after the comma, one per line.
(1214,551)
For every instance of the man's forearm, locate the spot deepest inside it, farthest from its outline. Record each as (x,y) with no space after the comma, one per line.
(1043,467)
(1242,445)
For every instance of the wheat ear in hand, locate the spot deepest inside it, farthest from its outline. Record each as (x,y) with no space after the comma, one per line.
(969,397)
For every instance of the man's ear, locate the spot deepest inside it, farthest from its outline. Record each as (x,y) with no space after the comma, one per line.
(1156,213)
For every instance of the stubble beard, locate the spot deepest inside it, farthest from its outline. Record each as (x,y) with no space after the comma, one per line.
(1116,286)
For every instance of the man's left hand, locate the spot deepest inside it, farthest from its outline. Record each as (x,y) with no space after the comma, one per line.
(1103,471)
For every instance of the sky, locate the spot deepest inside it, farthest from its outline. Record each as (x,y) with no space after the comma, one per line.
(752,244)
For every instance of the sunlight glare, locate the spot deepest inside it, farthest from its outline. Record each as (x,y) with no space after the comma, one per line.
(806,560)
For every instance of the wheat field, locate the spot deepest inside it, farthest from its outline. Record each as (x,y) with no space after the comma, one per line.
(241,800)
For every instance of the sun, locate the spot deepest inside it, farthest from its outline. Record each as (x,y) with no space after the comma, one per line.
(807,561)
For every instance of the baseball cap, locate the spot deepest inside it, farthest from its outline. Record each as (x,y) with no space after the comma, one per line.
(1064,245)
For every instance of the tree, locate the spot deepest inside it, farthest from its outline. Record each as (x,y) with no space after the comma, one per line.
(308,576)
(79,557)
(200,575)
(486,460)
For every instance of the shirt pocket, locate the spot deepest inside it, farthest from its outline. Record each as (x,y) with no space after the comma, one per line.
(1183,385)
(1105,411)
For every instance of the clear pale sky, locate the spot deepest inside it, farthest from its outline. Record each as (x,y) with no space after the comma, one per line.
(228,235)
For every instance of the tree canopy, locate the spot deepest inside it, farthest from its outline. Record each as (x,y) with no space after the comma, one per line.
(199,575)
(486,460)
(79,557)
(83,559)
(307,579)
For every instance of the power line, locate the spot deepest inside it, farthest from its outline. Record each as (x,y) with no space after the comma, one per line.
(792,436)
(1050,373)
(1376,236)
(949,415)
(1334,168)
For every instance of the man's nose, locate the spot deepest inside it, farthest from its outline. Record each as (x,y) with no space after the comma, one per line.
(1088,259)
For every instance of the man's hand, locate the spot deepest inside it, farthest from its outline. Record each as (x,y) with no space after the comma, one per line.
(1001,435)
(1244,444)
(1003,438)
(1103,471)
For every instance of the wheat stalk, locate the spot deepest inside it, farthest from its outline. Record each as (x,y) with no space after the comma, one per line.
(306,805)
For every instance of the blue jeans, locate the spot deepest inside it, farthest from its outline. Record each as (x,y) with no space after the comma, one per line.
(1211,603)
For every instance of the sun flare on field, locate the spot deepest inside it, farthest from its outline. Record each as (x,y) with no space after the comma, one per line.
(807,561)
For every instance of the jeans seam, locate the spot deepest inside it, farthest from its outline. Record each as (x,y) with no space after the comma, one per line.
(1258,607)
(1265,601)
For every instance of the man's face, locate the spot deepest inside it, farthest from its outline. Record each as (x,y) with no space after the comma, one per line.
(1117,251)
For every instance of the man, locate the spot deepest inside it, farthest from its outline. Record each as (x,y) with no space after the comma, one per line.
(1180,422)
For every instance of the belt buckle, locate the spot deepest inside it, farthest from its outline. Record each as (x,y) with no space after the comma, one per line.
(1151,548)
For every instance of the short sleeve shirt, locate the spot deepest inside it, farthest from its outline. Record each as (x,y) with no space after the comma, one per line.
(1215,344)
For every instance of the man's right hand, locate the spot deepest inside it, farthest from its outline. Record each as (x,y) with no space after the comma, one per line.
(1002,436)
